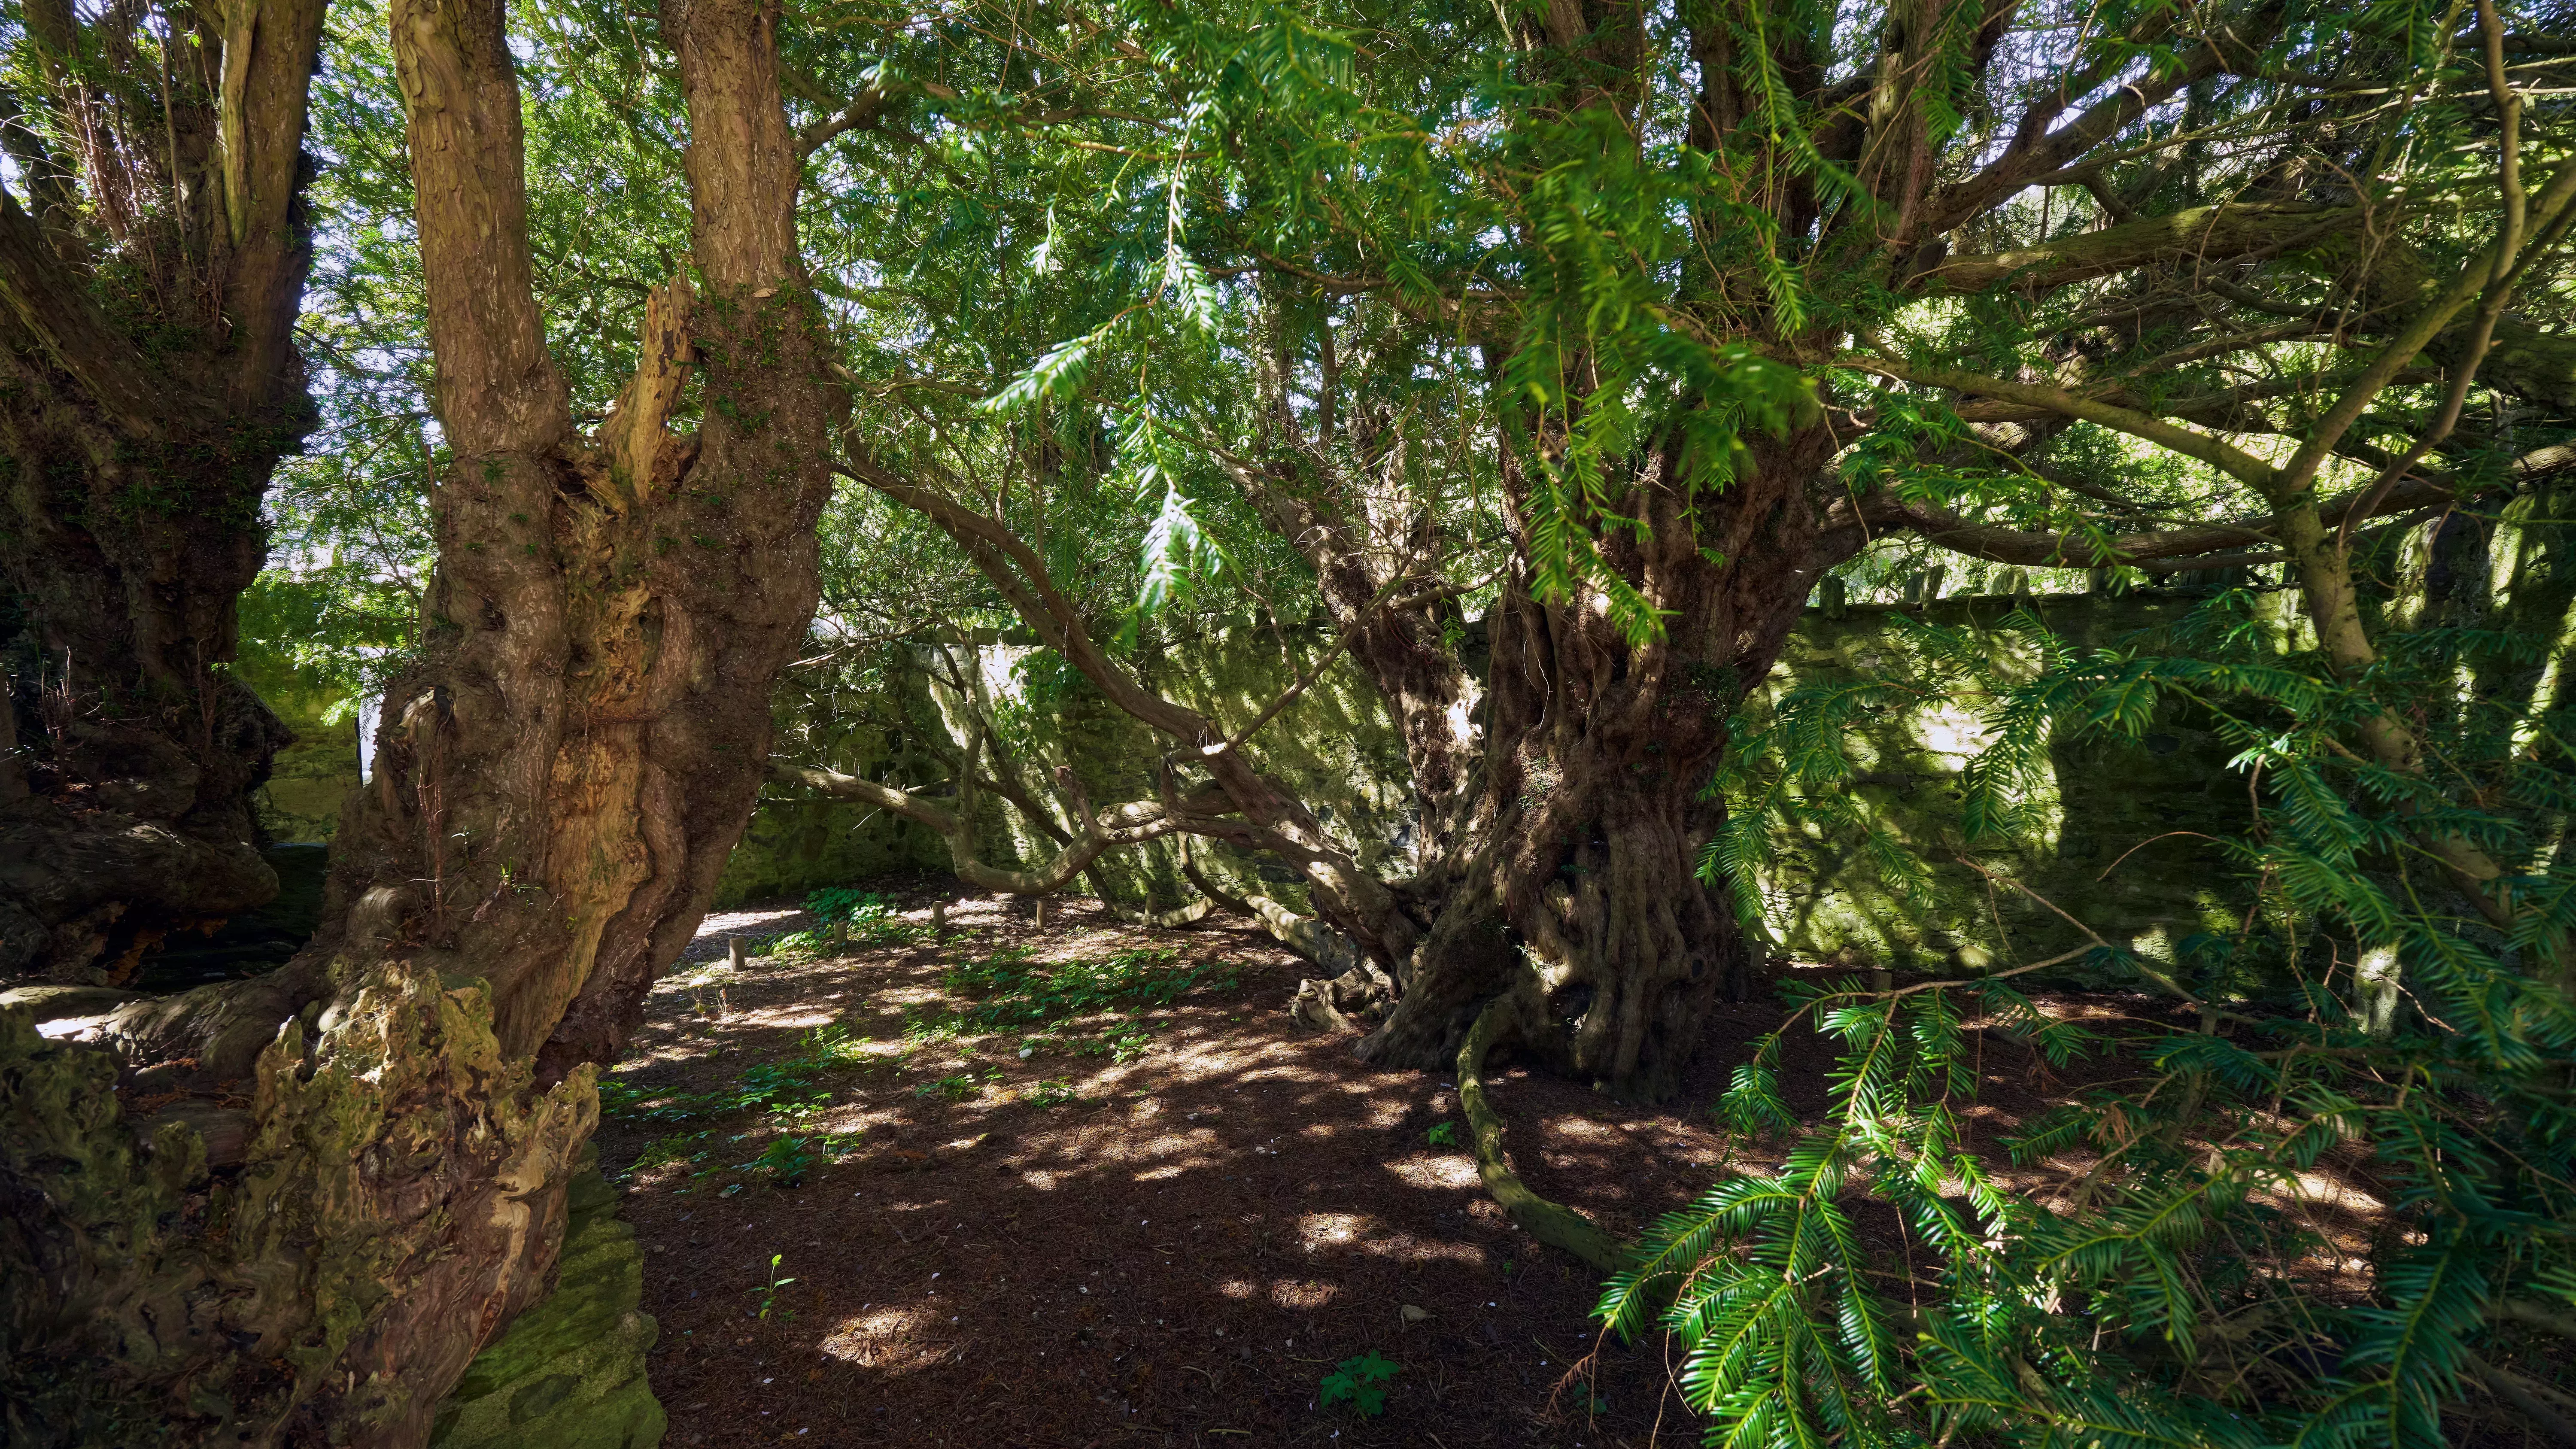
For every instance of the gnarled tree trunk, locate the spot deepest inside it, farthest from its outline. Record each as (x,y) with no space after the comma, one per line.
(1574,889)
(292,1209)
(1566,870)
(148,386)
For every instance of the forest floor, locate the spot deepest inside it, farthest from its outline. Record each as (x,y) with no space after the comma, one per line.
(1087,1184)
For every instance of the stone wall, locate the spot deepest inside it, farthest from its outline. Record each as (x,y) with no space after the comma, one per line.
(793,846)
(300,804)
(1334,745)
(2125,833)
(2144,809)
(2119,850)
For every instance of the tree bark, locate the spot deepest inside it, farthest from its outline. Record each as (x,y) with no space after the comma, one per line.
(148,386)
(1577,888)
(291,1210)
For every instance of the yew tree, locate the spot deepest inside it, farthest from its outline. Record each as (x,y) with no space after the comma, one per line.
(153,252)
(292,1208)
(1568,348)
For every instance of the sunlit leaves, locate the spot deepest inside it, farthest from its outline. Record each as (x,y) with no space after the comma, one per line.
(1176,549)
(2155,1291)
(1058,373)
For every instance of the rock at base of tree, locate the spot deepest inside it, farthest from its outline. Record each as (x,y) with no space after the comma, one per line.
(570,1372)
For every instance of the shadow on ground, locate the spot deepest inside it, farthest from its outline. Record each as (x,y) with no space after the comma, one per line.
(1159,1226)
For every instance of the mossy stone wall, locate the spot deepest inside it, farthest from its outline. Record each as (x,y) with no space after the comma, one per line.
(793,846)
(2124,849)
(2128,833)
(1334,747)
(300,804)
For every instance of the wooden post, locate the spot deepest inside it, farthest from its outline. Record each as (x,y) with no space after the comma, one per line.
(733,952)
(1041,913)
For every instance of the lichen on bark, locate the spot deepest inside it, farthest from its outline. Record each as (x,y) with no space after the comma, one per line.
(393,1154)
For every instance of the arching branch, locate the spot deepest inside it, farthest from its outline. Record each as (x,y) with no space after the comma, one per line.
(2033,548)
(1273,821)
(2200,235)
(1115,828)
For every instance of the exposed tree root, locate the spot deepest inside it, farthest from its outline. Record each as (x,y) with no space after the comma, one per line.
(2525,1398)
(1552,1223)
(1353,999)
(1153,920)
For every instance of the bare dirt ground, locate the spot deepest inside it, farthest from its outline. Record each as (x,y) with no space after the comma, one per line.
(1162,1224)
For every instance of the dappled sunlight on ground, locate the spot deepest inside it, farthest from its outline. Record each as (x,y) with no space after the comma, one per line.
(1061,1247)
(1157,1221)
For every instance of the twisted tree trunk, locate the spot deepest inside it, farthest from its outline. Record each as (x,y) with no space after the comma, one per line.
(1572,794)
(292,1209)
(148,386)
(1575,886)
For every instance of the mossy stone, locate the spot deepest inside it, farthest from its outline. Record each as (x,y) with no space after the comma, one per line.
(570,1373)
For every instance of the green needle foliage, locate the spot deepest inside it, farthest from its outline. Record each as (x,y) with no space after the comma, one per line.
(1153,287)
(2135,1267)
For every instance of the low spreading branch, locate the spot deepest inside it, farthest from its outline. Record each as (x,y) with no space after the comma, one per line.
(2200,235)
(1101,832)
(2206,545)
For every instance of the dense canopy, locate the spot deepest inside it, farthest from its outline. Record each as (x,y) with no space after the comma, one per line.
(622,396)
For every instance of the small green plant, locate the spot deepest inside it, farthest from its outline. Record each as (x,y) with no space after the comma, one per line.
(781,1087)
(784,1089)
(1360,1382)
(618,1099)
(1054,1092)
(769,1291)
(834,1045)
(847,917)
(1127,1041)
(956,1089)
(1016,992)
(1442,1134)
(800,1109)
(785,1160)
(664,1151)
(923,1031)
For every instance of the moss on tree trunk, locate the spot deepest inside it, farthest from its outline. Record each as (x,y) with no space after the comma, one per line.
(293,1209)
